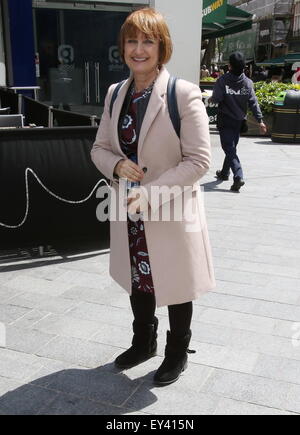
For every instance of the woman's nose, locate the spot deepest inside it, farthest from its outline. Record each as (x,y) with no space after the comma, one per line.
(139,47)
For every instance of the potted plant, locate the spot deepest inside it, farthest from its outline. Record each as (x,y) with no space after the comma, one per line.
(207,83)
(208,79)
(267,94)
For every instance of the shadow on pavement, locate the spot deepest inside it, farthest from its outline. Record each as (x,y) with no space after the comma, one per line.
(212,187)
(30,257)
(100,391)
(270,142)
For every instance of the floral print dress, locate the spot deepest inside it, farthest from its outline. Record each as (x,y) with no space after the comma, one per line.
(141,276)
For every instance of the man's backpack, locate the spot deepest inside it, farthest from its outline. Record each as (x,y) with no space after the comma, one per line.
(171,99)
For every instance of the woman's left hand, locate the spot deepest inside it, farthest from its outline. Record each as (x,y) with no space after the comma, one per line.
(137,200)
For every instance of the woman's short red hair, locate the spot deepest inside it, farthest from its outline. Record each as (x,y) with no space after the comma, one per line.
(153,25)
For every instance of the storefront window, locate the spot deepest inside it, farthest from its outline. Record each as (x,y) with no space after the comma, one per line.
(78,56)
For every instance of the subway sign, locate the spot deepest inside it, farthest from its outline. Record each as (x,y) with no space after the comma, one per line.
(214,11)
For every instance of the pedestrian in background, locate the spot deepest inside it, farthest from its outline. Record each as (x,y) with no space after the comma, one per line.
(234,92)
(204,73)
(216,73)
(260,75)
(158,263)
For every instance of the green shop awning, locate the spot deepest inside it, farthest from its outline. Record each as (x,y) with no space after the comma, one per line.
(278,61)
(281,61)
(292,58)
(220,19)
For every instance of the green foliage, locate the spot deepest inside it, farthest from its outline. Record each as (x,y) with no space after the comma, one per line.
(208,79)
(267,93)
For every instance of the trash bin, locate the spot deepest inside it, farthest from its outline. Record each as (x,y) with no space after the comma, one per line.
(286,125)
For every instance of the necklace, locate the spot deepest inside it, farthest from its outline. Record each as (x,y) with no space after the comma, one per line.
(144,93)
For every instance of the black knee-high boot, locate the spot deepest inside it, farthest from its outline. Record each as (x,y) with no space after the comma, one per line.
(178,339)
(144,344)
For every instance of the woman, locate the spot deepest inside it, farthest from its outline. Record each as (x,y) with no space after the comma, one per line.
(157,262)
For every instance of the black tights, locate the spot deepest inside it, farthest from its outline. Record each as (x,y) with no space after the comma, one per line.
(143,307)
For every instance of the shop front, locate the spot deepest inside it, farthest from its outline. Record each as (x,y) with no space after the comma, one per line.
(70,48)
(221,19)
(244,42)
(77,54)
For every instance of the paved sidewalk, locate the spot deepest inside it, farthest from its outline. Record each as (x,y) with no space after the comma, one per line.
(66,320)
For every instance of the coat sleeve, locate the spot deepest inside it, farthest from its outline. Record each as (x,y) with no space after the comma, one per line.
(102,154)
(194,138)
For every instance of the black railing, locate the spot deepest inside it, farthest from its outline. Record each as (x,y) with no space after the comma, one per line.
(42,115)
(35,112)
(65,118)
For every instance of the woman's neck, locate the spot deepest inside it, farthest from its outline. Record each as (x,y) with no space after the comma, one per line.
(142,82)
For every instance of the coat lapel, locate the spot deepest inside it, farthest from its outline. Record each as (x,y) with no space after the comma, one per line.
(117,111)
(155,104)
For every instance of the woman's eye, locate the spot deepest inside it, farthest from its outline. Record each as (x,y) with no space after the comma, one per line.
(149,41)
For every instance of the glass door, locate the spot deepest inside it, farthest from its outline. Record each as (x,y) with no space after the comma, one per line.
(78,57)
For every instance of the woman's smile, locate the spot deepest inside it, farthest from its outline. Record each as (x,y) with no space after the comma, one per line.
(139,59)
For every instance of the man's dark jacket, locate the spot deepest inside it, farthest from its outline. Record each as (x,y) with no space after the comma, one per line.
(235,94)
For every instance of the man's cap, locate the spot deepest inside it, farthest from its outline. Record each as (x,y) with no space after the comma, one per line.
(237,61)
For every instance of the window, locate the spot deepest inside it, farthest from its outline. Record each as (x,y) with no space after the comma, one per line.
(296,27)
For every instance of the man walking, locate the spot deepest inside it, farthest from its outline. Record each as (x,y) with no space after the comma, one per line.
(235,93)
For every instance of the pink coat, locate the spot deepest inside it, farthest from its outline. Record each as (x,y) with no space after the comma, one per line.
(180,258)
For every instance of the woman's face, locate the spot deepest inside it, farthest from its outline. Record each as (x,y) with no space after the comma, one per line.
(141,54)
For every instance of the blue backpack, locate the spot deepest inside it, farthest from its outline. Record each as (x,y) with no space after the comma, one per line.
(171,99)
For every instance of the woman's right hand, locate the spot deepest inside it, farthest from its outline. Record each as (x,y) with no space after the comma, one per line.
(129,170)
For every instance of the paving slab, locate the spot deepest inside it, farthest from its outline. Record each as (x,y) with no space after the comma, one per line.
(65,320)
(27,400)
(44,303)
(254,389)
(234,407)
(83,352)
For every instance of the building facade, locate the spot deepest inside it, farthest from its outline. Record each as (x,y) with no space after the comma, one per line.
(294,35)
(274,19)
(70,48)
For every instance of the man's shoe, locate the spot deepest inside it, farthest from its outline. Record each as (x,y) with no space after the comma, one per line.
(237,184)
(144,345)
(221,176)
